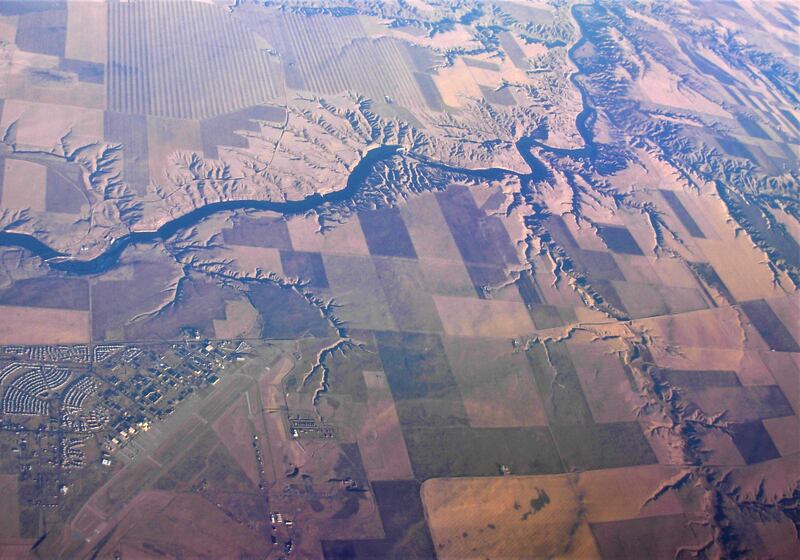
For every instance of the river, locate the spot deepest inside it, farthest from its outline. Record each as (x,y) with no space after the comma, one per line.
(355,181)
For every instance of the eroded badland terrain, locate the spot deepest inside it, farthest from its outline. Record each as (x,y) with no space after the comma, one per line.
(503,279)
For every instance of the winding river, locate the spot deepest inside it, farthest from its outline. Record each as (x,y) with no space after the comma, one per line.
(110,257)
(355,182)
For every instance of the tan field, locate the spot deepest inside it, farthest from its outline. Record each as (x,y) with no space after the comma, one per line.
(347,239)
(234,431)
(446,277)
(35,325)
(749,365)
(241,320)
(359,290)
(86,46)
(627,493)
(154,515)
(42,125)
(604,382)
(381,441)
(456,85)
(250,259)
(659,86)
(428,230)
(507,518)
(23,185)
(719,328)
(785,432)
(485,318)
(167,137)
(496,384)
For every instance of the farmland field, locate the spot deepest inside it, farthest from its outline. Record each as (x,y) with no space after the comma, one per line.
(355,279)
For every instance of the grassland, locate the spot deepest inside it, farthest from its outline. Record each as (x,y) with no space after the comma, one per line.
(528,272)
